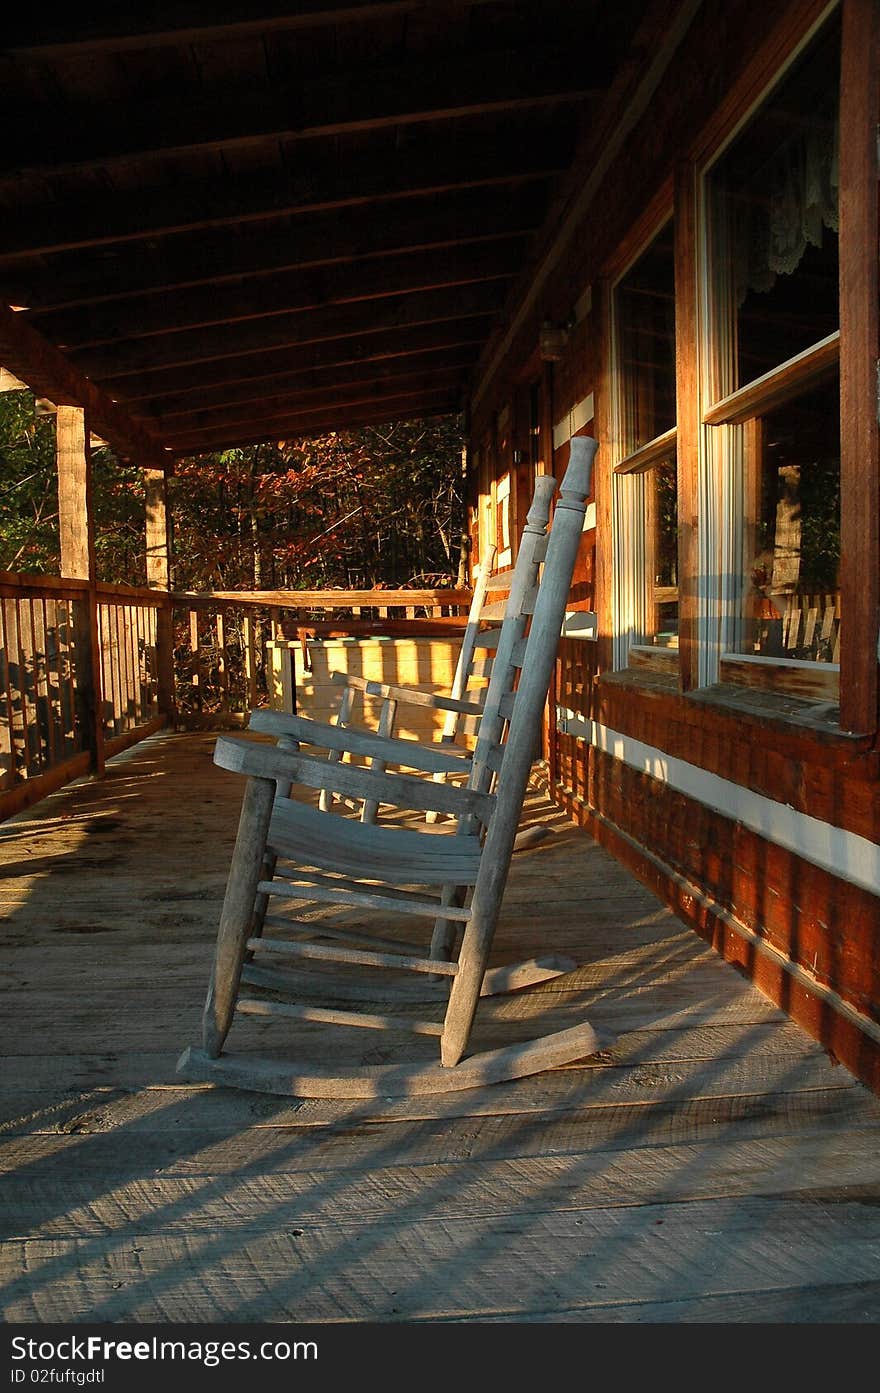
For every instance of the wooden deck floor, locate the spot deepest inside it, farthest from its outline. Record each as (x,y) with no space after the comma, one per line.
(711,1165)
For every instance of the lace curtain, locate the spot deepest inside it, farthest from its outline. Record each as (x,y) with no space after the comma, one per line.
(789,204)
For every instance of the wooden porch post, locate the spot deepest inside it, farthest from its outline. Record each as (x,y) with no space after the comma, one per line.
(77,534)
(859,347)
(158,534)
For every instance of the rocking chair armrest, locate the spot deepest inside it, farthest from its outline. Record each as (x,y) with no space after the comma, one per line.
(351,740)
(401,790)
(411,695)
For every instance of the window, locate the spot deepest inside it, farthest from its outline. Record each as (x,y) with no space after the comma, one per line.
(646,488)
(535,460)
(771,388)
(502,501)
(502,522)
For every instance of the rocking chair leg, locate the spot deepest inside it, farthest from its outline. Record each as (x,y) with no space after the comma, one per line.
(261,902)
(466,986)
(238,908)
(443,937)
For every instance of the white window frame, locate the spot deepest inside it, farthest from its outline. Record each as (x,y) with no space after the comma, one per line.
(630,582)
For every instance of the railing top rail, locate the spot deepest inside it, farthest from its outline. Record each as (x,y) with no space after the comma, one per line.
(323,599)
(18,583)
(14,583)
(143,593)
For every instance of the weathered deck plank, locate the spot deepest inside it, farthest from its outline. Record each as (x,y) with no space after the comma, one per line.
(710,1165)
(499,1265)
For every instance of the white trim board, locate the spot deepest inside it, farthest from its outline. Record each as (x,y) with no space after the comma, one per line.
(583,305)
(843,854)
(580,623)
(573,421)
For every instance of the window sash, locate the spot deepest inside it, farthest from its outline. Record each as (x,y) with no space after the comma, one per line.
(777,386)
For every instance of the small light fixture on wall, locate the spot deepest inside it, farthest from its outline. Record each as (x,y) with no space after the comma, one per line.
(553,339)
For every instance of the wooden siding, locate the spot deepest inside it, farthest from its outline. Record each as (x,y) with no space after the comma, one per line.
(816,920)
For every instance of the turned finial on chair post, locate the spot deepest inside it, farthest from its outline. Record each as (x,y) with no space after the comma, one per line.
(577,480)
(539,513)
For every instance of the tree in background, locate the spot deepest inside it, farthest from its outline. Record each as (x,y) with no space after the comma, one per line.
(28,493)
(29,500)
(379,506)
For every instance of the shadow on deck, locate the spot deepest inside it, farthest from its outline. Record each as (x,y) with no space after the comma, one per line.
(710,1165)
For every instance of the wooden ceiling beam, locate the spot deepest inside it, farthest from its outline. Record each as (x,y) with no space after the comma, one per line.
(321,399)
(270,421)
(343,418)
(115,28)
(291,292)
(176,408)
(35,361)
(430,167)
(382,347)
(309,242)
(357,322)
(77,138)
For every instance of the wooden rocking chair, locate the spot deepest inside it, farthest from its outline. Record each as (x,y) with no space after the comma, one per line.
(454,878)
(463,707)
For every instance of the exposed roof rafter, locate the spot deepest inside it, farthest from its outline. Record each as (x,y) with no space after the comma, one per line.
(48,373)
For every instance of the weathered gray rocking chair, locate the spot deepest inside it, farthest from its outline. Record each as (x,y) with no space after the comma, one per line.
(454,878)
(462,707)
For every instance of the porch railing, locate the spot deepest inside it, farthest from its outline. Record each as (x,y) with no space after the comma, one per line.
(88,669)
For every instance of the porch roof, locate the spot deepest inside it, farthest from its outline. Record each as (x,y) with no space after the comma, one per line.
(236,225)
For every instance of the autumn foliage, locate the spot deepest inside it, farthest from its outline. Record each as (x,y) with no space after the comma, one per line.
(377,506)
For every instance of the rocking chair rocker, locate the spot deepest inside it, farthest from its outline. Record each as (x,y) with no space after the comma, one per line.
(454,878)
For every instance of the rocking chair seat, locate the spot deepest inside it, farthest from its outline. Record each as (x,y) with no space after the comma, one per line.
(369,851)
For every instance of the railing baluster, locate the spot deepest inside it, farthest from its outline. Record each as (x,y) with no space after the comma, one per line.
(195,648)
(23,675)
(112,649)
(72,735)
(121,626)
(250,659)
(8,735)
(132,702)
(222,667)
(41,682)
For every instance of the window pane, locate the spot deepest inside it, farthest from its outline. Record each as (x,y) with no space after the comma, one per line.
(792,541)
(773,222)
(646,328)
(664,539)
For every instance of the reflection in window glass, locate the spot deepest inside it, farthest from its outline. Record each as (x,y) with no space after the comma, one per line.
(663,505)
(645,304)
(773,220)
(792,537)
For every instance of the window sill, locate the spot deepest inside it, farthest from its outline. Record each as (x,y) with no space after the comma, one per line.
(810,682)
(644,679)
(760,708)
(654,657)
(819,717)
